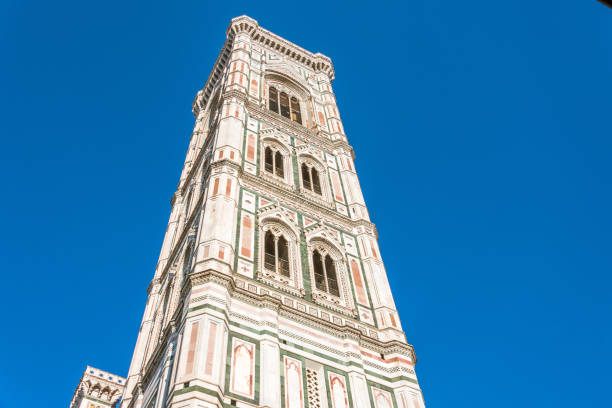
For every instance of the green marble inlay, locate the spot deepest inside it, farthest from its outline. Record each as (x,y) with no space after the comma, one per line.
(302,359)
(349,393)
(228,368)
(198,388)
(382,387)
(305,349)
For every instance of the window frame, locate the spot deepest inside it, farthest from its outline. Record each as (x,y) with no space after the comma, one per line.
(291,282)
(325,197)
(276,265)
(327,264)
(277,147)
(295,112)
(276,99)
(343,301)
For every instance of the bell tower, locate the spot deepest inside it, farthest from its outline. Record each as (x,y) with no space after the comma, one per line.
(270,289)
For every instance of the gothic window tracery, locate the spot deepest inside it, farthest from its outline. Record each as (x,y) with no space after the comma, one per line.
(276,256)
(296,116)
(284,103)
(329,273)
(310,178)
(279,256)
(276,163)
(273,100)
(325,273)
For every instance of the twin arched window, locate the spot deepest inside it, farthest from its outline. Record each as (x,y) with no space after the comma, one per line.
(289,106)
(276,254)
(279,252)
(325,273)
(273,162)
(310,179)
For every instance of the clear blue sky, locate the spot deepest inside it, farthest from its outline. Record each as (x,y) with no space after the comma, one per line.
(482,133)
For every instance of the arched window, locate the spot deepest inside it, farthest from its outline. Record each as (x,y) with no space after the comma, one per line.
(296,116)
(316,184)
(306,177)
(273,100)
(269,160)
(325,273)
(278,164)
(332,280)
(274,162)
(284,104)
(283,256)
(276,254)
(270,252)
(318,270)
(310,179)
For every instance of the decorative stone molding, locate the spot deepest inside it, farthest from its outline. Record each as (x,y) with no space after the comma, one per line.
(276,142)
(325,244)
(304,205)
(290,86)
(310,157)
(202,97)
(275,220)
(301,317)
(318,139)
(316,62)
(243,24)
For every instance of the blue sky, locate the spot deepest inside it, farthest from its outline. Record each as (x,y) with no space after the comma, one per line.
(482,135)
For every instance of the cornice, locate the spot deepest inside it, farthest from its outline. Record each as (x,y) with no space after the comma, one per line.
(304,205)
(244,24)
(265,187)
(287,126)
(268,301)
(314,61)
(234,93)
(291,198)
(318,138)
(203,95)
(225,163)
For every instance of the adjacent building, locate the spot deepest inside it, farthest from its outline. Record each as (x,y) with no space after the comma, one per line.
(97,389)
